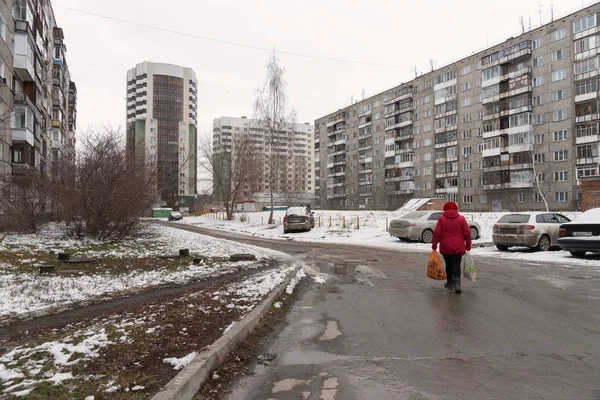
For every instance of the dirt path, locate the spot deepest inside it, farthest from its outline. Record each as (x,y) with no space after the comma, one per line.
(118,305)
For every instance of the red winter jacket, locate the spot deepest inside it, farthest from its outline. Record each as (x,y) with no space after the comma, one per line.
(453,234)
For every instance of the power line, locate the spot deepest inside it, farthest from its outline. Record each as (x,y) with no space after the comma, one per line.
(223,41)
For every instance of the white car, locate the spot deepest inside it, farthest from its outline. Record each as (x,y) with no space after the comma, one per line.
(419,225)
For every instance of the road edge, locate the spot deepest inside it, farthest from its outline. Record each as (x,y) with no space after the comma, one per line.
(186,383)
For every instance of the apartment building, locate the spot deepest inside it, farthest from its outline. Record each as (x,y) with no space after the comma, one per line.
(34,84)
(295,182)
(162,126)
(7,27)
(513,127)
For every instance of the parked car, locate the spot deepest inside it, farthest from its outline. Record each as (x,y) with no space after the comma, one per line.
(536,230)
(298,219)
(175,216)
(581,235)
(419,225)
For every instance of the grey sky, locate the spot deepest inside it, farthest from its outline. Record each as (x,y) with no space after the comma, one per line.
(392,32)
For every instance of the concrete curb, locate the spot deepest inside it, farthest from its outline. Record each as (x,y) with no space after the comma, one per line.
(186,383)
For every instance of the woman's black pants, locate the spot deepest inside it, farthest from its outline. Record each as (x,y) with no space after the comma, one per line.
(452,262)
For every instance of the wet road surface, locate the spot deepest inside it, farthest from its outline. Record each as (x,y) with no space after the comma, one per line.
(379,329)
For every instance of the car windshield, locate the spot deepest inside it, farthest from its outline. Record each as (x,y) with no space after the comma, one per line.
(514,219)
(176,214)
(413,215)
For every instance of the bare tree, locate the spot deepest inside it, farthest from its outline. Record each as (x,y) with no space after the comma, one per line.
(108,192)
(235,170)
(270,109)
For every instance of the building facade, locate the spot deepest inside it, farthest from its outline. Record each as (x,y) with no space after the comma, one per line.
(162,126)
(295,182)
(34,86)
(513,127)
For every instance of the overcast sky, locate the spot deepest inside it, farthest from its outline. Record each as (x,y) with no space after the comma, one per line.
(398,35)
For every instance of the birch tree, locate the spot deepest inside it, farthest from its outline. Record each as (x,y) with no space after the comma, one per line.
(235,169)
(270,107)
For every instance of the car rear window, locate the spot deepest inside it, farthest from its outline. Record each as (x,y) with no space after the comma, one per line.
(514,219)
(296,211)
(413,215)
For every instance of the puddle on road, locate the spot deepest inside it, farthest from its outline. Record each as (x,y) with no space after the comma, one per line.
(334,269)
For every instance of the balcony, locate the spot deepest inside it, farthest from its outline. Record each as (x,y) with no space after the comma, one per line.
(365,171)
(405,164)
(390,153)
(23,134)
(399,125)
(587,139)
(587,118)
(447,175)
(339,195)
(516,92)
(364,148)
(449,190)
(404,151)
(403,96)
(491,152)
(519,148)
(405,191)
(364,183)
(518,185)
(515,74)
(585,97)
(514,111)
(588,160)
(446,144)
(446,128)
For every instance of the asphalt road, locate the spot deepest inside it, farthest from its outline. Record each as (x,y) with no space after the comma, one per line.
(379,329)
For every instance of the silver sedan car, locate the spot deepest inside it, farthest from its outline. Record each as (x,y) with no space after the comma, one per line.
(537,230)
(419,225)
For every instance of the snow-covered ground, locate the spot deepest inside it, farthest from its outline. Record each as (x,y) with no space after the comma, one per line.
(368,228)
(25,367)
(25,293)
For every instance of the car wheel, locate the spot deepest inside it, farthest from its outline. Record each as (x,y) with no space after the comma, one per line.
(285,231)
(427,236)
(577,253)
(544,244)
(474,233)
(501,248)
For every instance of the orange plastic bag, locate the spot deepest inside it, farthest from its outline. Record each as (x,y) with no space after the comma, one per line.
(435,267)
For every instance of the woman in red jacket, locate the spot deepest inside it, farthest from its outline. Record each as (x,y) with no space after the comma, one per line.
(453,234)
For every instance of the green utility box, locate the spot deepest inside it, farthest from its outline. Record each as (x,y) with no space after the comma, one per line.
(161,212)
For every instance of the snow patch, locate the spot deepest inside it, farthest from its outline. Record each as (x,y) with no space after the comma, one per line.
(180,363)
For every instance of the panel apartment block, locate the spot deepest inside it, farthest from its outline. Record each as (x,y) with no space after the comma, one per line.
(513,127)
(296,178)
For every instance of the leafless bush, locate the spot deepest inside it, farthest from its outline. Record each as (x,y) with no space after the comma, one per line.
(108,193)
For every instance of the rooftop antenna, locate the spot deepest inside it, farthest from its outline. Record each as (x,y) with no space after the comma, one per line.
(540,11)
(416,73)
(522,25)
(363,94)
(529,23)
(552,12)
(431,63)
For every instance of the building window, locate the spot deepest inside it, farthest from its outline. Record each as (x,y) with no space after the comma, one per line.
(559,55)
(561,155)
(466,151)
(538,43)
(467,182)
(538,119)
(538,62)
(584,23)
(521,197)
(559,75)
(561,176)
(559,115)
(467,167)
(466,70)
(558,35)
(561,135)
(561,197)
(468,199)
(538,81)
(537,100)
(483,199)
(560,95)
